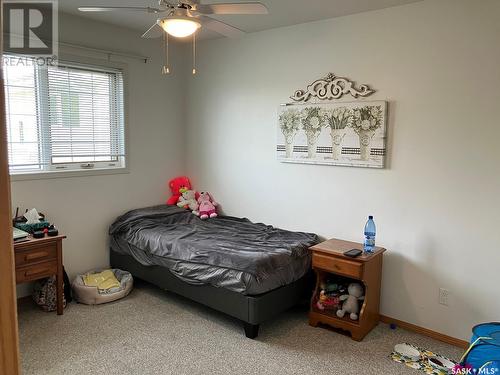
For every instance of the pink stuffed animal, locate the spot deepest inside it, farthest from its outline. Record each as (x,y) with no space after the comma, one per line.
(207,206)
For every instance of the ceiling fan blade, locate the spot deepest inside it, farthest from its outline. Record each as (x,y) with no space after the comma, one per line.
(232,8)
(220,27)
(111,9)
(154,31)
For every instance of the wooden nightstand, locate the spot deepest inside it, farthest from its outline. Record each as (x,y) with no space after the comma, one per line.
(38,259)
(328,258)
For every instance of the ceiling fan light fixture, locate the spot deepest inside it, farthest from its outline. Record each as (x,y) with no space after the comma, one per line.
(179,27)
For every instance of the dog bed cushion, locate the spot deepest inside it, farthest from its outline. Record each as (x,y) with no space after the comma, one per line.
(91,295)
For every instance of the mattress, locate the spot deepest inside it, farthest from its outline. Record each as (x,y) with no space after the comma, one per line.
(228,252)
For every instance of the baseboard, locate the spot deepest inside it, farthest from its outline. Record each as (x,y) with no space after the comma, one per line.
(425,331)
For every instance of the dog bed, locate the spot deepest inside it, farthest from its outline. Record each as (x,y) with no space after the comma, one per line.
(91,295)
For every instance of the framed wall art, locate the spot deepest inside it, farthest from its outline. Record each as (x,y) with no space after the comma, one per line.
(339,133)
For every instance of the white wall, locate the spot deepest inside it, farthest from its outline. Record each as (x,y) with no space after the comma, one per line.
(83,207)
(436,204)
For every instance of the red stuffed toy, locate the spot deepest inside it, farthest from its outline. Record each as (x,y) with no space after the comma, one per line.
(178,185)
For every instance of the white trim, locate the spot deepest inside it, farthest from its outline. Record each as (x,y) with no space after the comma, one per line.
(67,174)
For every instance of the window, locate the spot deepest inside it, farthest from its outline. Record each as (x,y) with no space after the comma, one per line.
(66,117)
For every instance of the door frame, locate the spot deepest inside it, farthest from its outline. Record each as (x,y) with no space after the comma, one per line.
(9,341)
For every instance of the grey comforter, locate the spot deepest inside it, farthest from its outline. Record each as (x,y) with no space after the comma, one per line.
(226,251)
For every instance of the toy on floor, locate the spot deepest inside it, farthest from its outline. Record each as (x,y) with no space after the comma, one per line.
(207,206)
(424,360)
(187,200)
(177,185)
(350,304)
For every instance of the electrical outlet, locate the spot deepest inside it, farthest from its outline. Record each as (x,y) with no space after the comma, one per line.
(444,295)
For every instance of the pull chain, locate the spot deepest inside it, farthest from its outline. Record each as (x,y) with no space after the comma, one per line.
(194,53)
(166,67)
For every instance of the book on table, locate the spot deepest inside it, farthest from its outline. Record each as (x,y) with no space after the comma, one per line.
(19,234)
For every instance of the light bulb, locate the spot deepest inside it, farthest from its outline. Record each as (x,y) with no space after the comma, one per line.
(179,27)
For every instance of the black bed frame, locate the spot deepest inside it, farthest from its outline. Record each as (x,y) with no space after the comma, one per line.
(251,310)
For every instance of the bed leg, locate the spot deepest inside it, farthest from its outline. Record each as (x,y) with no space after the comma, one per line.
(251,330)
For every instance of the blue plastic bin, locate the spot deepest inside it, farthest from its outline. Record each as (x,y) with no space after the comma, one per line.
(484,352)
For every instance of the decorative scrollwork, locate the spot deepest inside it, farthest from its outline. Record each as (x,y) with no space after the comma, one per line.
(331,87)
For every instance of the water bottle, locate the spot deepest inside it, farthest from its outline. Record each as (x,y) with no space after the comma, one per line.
(370,232)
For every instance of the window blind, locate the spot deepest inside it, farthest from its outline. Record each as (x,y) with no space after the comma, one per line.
(65,117)
(22,113)
(84,115)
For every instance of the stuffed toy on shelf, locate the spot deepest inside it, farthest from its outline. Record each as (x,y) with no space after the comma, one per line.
(350,305)
(177,186)
(207,206)
(327,301)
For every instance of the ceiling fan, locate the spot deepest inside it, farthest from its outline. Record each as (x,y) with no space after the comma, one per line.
(184,17)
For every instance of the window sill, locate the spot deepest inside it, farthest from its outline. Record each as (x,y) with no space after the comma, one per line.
(67,174)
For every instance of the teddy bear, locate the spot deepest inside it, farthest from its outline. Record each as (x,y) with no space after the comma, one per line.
(207,206)
(350,304)
(188,200)
(176,185)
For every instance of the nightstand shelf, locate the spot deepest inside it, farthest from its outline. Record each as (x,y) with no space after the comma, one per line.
(328,259)
(331,314)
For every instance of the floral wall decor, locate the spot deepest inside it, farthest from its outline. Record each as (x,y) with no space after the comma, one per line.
(331,87)
(349,134)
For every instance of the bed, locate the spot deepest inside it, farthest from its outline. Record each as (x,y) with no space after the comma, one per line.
(250,271)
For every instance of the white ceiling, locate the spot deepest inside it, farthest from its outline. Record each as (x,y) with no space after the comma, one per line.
(281,12)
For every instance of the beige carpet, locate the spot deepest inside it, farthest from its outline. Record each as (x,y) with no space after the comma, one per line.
(156,332)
